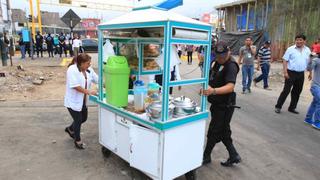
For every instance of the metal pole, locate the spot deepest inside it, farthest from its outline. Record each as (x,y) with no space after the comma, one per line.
(266,18)
(32,24)
(255,15)
(11,47)
(39,17)
(248,14)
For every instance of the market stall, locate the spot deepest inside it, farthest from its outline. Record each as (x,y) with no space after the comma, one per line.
(161,135)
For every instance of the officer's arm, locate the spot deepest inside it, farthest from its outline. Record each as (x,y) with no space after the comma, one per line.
(226,89)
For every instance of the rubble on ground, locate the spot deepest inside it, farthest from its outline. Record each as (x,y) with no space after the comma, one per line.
(20,79)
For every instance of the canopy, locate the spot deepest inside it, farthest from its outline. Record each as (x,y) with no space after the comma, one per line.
(151,14)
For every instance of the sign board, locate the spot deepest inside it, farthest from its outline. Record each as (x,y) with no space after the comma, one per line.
(71,19)
(90,24)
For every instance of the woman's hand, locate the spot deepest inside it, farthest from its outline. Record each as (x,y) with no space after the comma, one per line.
(93,92)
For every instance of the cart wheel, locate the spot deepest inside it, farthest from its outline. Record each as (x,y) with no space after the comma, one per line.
(106,152)
(191,175)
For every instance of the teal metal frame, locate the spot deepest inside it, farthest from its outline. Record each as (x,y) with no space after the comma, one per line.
(168,41)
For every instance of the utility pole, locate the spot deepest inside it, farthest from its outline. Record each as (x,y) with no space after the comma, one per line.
(39,16)
(32,16)
(33,29)
(10,23)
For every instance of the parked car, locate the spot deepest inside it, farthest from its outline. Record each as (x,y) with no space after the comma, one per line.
(90,45)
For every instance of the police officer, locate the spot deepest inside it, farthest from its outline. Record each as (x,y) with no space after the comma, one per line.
(49,42)
(222,97)
(62,44)
(39,43)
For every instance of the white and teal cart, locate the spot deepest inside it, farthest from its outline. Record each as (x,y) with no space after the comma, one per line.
(170,147)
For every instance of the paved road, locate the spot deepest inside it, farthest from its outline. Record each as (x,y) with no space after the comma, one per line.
(273,146)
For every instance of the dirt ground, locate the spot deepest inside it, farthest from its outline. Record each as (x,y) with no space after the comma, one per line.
(34,145)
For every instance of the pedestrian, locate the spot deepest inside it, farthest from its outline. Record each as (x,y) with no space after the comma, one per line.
(246,57)
(28,47)
(69,44)
(56,44)
(189,53)
(22,46)
(313,114)
(76,44)
(221,95)
(39,43)
(295,61)
(4,49)
(174,69)
(78,83)
(200,52)
(49,42)
(264,59)
(179,48)
(62,44)
(316,46)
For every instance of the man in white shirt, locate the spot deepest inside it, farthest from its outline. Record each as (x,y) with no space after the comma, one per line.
(76,45)
(295,61)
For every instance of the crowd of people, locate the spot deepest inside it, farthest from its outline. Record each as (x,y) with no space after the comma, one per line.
(54,44)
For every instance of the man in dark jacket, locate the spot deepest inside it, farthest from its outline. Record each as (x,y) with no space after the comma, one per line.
(39,43)
(49,42)
(3,49)
(62,44)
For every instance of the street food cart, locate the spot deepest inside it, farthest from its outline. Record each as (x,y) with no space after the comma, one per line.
(168,146)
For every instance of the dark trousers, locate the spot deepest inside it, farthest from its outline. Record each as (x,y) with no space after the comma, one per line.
(295,81)
(50,50)
(70,50)
(39,49)
(179,53)
(219,129)
(158,79)
(189,57)
(78,119)
(265,68)
(63,46)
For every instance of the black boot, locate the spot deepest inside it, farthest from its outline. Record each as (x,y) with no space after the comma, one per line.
(207,153)
(234,160)
(191,175)
(234,157)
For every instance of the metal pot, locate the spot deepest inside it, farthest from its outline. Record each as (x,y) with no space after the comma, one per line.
(155,108)
(184,106)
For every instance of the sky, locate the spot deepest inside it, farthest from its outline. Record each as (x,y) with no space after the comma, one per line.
(190,8)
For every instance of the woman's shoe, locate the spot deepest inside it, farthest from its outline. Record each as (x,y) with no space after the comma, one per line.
(67,130)
(79,146)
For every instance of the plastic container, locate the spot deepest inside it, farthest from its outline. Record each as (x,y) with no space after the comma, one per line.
(117,81)
(153,90)
(140,94)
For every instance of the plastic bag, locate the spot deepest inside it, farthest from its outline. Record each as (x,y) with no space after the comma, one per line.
(107,51)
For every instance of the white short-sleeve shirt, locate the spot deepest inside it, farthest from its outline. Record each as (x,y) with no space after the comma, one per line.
(74,99)
(297,60)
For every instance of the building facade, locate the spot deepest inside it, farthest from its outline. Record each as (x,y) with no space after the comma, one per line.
(281,20)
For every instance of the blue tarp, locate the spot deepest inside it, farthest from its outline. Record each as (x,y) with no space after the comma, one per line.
(25,35)
(170,4)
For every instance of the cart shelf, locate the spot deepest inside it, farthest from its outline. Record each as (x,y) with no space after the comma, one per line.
(144,120)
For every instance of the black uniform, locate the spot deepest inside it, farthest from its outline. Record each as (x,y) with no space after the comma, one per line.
(62,45)
(70,46)
(49,42)
(222,107)
(39,42)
